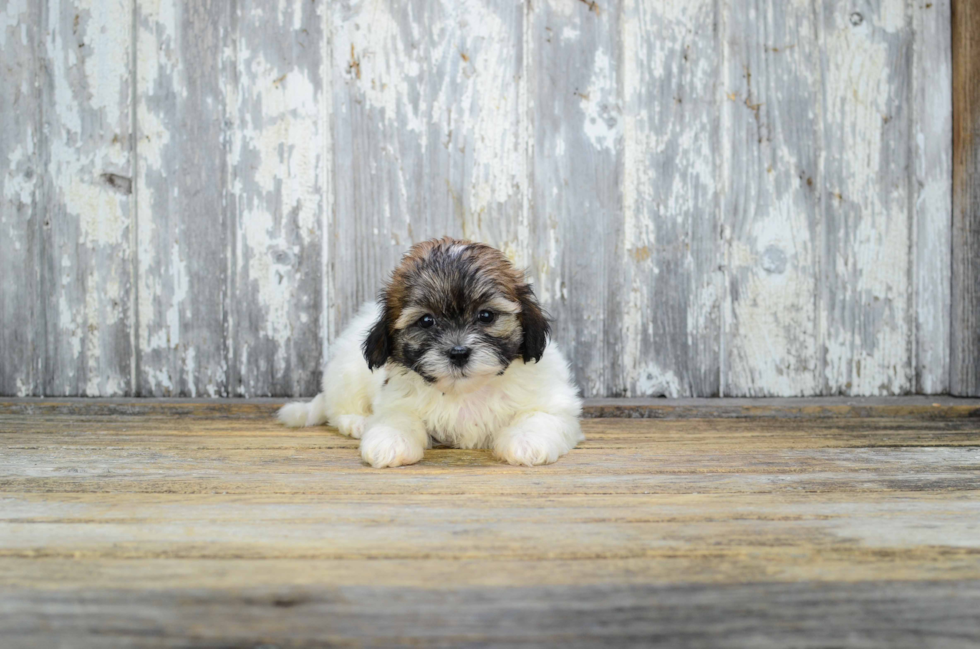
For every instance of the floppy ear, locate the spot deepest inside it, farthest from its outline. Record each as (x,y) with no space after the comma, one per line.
(535,326)
(377,345)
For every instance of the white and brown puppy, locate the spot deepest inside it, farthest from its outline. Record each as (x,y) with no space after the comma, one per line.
(456,351)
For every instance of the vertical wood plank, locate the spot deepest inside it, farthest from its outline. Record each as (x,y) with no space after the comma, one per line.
(428,139)
(181,190)
(277,158)
(965,340)
(87,203)
(669,253)
(865,320)
(932,141)
(20,127)
(772,198)
(577,170)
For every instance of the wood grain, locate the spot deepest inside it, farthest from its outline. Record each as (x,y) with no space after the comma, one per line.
(576,172)
(772,205)
(866,321)
(230,275)
(21,322)
(86,261)
(277,159)
(932,123)
(211,525)
(765,615)
(919,408)
(182,188)
(671,276)
(965,325)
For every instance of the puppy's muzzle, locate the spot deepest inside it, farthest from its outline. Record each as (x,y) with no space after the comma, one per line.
(459,355)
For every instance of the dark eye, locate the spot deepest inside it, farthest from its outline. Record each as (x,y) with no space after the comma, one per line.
(487,317)
(426,321)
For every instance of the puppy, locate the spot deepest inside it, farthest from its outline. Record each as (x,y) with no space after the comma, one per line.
(455,351)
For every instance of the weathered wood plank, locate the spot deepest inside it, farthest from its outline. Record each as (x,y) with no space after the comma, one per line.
(429,135)
(20,142)
(182,190)
(932,140)
(577,170)
(87,251)
(144,456)
(669,258)
(809,407)
(771,205)
(879,538)
(269,576)
(918,408)
(866,323)
(162,433)
(340,473)
(905,615)
(277,157)
(965,325)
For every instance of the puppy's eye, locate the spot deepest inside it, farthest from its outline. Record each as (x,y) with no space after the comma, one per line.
(486,317)
(426,321)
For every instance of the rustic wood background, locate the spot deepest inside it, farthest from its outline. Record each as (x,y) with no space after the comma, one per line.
(714,197)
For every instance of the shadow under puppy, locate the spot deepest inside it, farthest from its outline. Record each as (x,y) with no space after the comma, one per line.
(455,351)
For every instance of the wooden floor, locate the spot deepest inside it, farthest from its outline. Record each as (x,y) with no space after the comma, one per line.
(173,524)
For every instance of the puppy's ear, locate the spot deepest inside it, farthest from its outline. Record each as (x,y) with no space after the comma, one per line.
(377,346)
(535,326)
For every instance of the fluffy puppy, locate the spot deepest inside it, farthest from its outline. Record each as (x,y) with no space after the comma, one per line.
(455,351)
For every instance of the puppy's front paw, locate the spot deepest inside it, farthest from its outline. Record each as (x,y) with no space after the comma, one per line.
(529,448)
(350,425)
(384,446)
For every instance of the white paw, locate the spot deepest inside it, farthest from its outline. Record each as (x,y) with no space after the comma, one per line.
(350,425)
(529,448)
(384,446)
(294,415)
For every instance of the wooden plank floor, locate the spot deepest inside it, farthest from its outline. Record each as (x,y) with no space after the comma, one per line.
(175,524)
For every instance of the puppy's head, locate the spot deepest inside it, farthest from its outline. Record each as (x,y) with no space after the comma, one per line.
(456,311)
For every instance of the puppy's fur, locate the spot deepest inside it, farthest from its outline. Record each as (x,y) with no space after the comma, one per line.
(456,351)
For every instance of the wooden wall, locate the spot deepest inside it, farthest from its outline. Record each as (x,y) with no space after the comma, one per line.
(714,197)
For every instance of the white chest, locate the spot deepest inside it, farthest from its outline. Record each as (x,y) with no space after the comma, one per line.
(467,420)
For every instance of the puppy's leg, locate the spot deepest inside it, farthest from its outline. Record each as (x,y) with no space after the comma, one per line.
(348,388)
(537,438)
(349,425)
(298,414)
(348,384)
(393,440)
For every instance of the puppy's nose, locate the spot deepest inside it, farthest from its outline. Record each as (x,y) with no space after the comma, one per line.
(459,355)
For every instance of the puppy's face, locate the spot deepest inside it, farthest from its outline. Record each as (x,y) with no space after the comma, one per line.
(456,312)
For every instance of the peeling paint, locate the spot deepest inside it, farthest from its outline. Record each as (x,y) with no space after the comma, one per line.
(653,382)
(865,318)
(87,47)
(931,127)
(18,185)
(277,155)
(600,103)
(11,17)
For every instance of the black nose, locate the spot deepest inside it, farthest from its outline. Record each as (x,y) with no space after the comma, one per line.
(459,355)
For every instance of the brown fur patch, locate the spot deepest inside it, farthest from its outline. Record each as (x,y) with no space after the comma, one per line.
(486,260)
